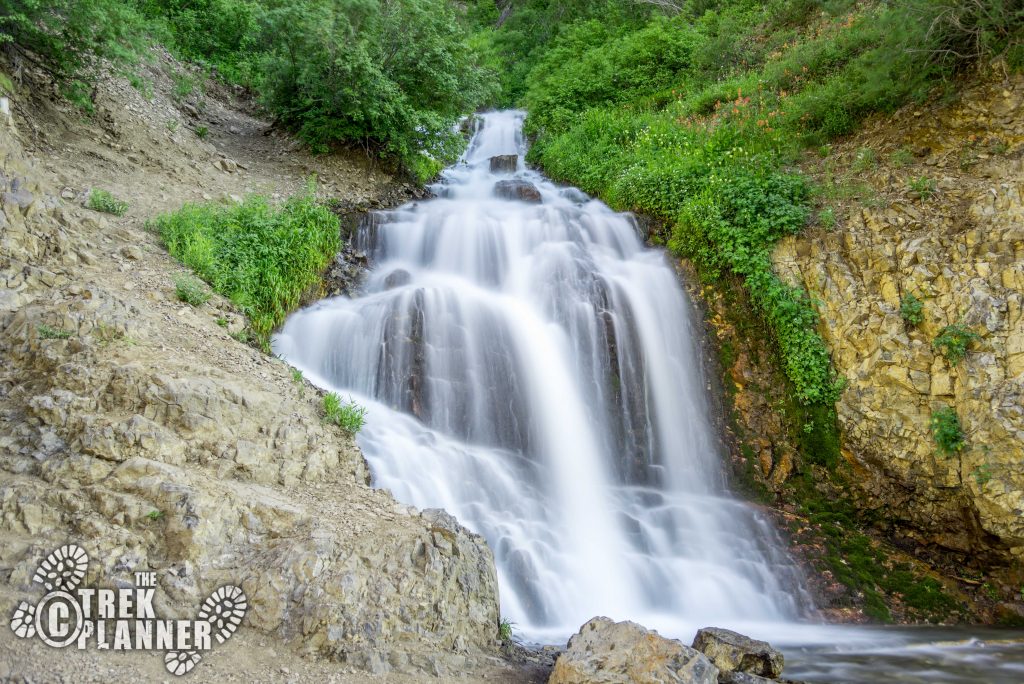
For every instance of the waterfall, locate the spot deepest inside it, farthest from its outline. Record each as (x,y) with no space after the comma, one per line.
(534,369)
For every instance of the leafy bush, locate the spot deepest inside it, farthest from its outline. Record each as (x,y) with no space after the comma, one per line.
(395,76)
(70,38)
(347,415)
(190,291)
(391,77)
(260,256)
(953,341)
(946,431)
(223,33)
(102,200)
(912,309)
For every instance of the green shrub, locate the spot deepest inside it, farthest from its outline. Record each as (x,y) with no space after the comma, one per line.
(184,85)
(393,76)
(923,186)
(946,430)
(261,257)
(71,38)
(347,415)
(202,132)
(912,309)
(953,341)
(190,290)
(102,200)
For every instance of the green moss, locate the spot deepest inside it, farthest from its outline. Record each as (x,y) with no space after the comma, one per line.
(864,564)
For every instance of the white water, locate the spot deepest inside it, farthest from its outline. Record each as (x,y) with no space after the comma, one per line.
(533,369)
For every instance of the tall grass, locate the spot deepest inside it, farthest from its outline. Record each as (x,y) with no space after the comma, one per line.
(262,257)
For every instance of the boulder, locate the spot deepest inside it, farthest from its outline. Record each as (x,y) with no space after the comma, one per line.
(607,652)
(732,652)
(504,163)
(517,190)
(397,278)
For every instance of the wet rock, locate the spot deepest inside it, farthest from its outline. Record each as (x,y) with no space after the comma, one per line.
(397,278)
(521,190)
(733,652)
(504,163)
(1010,614)
(743,678)
(575,195)
(613,652)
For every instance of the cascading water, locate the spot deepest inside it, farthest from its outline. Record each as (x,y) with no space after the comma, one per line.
(532,368)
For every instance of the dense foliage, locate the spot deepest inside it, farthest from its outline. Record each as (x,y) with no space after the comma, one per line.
(261,257)
(695,111)
(391,76)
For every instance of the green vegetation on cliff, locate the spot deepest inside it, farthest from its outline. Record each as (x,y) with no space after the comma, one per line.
(695,112)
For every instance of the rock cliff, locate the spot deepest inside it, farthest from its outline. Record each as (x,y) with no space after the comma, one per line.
(935,210)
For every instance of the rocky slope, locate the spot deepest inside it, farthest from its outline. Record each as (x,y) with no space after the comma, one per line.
(930,204)
(136,426)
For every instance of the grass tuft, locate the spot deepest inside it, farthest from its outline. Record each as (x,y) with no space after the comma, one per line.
(102,200)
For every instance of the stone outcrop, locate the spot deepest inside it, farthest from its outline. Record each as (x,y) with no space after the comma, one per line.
(607,652)
(961,252)
(504,163)
(516,189)
(732,652)
(135,426)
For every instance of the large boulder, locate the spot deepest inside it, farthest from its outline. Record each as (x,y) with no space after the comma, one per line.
(606,652)
(732,652)
(504,163)
(516,189)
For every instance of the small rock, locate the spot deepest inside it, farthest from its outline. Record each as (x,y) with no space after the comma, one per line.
(131,252)
(731,652)
(67,193)
(624,652)
(397,278)
(505,163)
(517,190)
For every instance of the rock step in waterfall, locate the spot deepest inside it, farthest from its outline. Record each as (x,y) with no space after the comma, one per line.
(531,367)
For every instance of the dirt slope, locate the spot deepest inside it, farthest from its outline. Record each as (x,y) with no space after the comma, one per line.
(136,426)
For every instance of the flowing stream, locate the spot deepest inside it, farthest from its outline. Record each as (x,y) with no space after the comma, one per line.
(533,368)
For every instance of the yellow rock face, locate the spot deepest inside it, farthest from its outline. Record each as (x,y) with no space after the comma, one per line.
(961,252)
